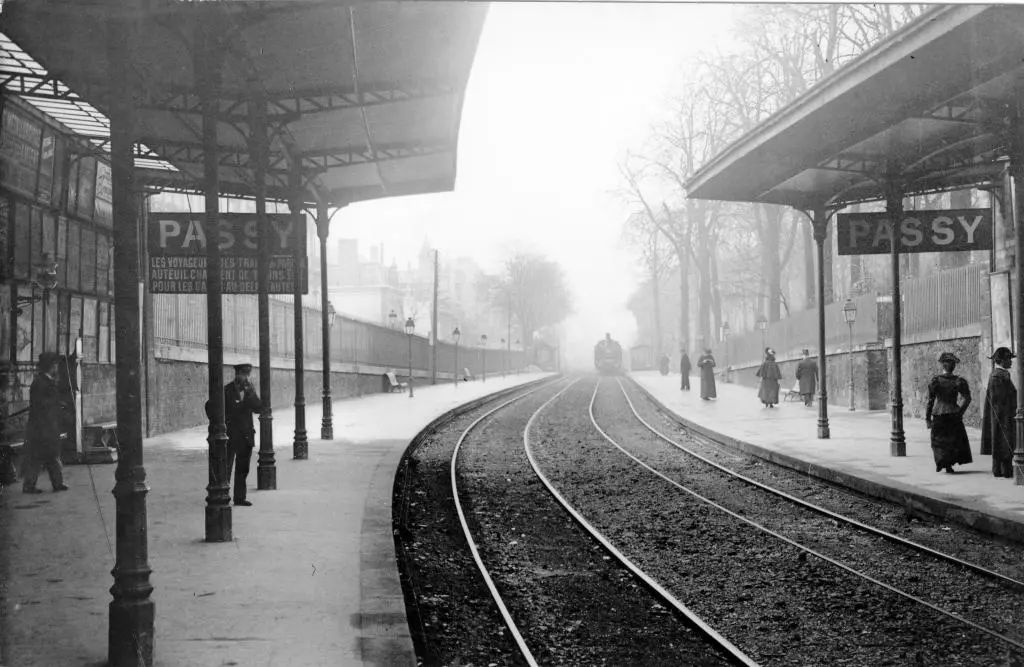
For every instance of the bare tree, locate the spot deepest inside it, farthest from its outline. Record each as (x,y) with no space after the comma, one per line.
(534,288)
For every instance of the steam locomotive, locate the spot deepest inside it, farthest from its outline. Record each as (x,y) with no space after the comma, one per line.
(608,356)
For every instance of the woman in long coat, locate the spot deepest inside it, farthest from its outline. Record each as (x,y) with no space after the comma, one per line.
(944,415)
(706,364)
(998,428)
(769,372)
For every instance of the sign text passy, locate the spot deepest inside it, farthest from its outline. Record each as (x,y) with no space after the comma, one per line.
(177,253)
(919,231)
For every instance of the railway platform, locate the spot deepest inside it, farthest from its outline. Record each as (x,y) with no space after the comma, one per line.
(309,579)
(856,455)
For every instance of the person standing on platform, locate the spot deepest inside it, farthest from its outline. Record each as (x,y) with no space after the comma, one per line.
(684,370)
(663,364)
(240,403)
(768,389)
(998,429)
(944,415)
(42,436)
(706,364)
(807,375)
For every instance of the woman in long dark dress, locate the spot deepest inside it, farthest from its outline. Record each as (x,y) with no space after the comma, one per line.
(769,372)
(706,363)
(945,415)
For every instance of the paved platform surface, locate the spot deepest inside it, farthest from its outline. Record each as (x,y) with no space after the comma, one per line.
(857,454)
(309,580)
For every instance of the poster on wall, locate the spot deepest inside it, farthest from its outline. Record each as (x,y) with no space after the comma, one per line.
(20,137)
(5,228)
(1002,316)
(86,187)
(88,260)
(46,161)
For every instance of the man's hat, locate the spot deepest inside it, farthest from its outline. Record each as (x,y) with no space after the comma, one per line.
(805,351)
(46,360)
(948,356)
(1002,353)
(243,368)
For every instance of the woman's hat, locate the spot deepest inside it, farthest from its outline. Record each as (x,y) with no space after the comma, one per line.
(1002,353)
(948,356)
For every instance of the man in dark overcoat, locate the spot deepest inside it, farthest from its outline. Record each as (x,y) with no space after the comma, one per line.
(240,403)
(998,429)
(684,370)
(42,436)
(807,375)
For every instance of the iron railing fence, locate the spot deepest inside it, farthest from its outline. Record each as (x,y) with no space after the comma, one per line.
(943,301)
(179,320)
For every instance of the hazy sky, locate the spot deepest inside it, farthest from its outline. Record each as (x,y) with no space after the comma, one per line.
(558,93)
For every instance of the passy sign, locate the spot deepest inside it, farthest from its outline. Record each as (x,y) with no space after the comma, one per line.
(177,254)
(953,230)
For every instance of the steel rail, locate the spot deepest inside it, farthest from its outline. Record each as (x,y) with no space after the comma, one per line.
(738,656)
(1008,581)
(796,544)
(505,614)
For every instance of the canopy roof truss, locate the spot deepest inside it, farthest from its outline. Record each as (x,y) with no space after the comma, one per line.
(929,109)
(366,98)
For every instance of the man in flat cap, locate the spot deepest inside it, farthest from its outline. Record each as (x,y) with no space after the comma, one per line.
(42,436)
(997,417)
(240,402)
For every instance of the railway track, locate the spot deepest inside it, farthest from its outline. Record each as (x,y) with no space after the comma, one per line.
(562,529)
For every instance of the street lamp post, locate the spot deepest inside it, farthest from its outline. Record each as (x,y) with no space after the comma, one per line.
(762,324)
(327,423)
(483,357)
(392,316)
(503,361)
(456,334)
(725,337)
(410,326)
(850,315)
(46,280)
(519,346)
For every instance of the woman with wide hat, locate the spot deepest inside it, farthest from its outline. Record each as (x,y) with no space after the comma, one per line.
(768,388)
(948,398)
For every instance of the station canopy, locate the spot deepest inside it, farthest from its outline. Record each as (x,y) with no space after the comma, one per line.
(365,96)
(933,104)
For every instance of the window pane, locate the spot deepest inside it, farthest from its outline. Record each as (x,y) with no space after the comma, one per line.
(5,322)
(90,350)
(88,256)
(5,247)
(20,137)
(36,224)
(62,251)
(46,162)
(104,337)
(102,262)
(49,225)
(73,185)
(74,255)
(23,327)
(63,302)
(75,321)
(59,164)
(113,336)
(49,316)
(104,196)
(86,187)
(22,240)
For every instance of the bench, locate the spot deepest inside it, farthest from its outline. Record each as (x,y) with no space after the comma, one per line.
(393,384)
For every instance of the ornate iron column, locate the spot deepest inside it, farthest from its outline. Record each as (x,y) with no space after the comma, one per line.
(894,209)
(266,467)
(130,633)
(1017,170)
(323,222)
(218,510)
(820,223)
(300,446)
